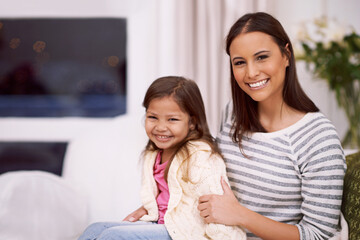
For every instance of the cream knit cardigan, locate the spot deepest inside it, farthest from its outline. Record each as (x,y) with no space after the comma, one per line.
(182,218)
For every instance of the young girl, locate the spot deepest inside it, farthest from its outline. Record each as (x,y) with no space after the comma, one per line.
(181,162)
(284,159)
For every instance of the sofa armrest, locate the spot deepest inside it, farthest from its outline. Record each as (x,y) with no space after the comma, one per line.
(351,196)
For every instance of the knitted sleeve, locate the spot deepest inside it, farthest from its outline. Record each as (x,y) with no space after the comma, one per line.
(206,171)
(148,190)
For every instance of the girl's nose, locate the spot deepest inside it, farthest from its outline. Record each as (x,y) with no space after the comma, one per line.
(161,126)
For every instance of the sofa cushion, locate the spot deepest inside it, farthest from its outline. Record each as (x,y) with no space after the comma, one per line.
(38,205)
(351,196)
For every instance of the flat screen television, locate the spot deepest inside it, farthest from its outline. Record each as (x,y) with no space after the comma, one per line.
(63,67)
(28,156)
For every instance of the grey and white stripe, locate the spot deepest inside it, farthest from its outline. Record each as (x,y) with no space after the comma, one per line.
(294,175)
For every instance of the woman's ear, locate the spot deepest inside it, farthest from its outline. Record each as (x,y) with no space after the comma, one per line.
(288,54)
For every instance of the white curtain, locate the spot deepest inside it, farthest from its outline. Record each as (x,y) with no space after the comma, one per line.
(191,43)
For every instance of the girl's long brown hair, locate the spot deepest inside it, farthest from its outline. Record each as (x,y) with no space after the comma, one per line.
(245,109)
(186,94)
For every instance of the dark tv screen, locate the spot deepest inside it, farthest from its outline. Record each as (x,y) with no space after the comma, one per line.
(63,67)
(28,156)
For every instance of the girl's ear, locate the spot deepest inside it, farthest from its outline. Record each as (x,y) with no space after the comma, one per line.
(192,123)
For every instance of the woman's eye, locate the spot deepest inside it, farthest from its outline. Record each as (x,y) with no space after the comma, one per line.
(262,57)
(238,63)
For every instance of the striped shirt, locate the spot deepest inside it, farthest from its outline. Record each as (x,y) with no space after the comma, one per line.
(293,176)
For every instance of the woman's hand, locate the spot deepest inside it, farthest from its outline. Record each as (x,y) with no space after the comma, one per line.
(136,215)
(225,209)
(221,209)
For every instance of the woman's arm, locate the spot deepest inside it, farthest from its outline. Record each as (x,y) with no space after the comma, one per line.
(226,209)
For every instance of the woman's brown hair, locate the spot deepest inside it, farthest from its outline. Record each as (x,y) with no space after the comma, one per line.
(245,109)
(186,94)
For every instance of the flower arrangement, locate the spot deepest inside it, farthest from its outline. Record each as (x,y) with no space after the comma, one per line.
(332,52)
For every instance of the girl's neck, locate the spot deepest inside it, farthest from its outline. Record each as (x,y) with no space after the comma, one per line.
(166,156)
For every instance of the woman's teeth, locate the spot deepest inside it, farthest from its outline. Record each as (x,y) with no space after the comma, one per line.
(258,84)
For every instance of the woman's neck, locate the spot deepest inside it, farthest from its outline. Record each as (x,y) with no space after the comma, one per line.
(277,116)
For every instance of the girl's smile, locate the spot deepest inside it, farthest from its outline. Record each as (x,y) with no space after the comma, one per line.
(162,138)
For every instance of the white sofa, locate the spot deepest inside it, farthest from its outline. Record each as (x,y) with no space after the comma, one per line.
(100,182)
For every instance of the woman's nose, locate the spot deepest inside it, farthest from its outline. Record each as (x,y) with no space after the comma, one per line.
(252,70)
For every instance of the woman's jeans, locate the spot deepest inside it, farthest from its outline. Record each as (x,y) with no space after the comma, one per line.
(125,230)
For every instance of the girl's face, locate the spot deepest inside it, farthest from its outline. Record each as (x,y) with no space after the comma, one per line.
(258,65)
(166,124)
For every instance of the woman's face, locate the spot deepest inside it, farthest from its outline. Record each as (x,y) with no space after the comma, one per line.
(258,66)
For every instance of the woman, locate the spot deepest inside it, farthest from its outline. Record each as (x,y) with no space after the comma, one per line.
(284,159)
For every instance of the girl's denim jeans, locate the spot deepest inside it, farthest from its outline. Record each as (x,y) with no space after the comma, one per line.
(125,230)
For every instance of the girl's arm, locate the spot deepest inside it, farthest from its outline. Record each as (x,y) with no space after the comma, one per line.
(205,171)
(225,209)
(136,215)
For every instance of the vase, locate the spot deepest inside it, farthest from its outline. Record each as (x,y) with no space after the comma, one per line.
(348,98)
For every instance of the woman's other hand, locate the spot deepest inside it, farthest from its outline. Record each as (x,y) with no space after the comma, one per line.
(136,215)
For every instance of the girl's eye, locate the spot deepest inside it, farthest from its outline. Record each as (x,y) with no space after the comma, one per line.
(173,119)
(151,117)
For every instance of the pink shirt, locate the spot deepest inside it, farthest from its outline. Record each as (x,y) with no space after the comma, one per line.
(162,198)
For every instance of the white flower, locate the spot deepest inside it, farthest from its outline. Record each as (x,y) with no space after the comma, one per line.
(354,59)
(334,32)
(301,33)
(322,30)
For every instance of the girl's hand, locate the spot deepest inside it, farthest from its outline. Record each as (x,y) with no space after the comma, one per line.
(221,209)
(136,215)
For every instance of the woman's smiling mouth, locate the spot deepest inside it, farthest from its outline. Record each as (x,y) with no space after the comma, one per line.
(258,84)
